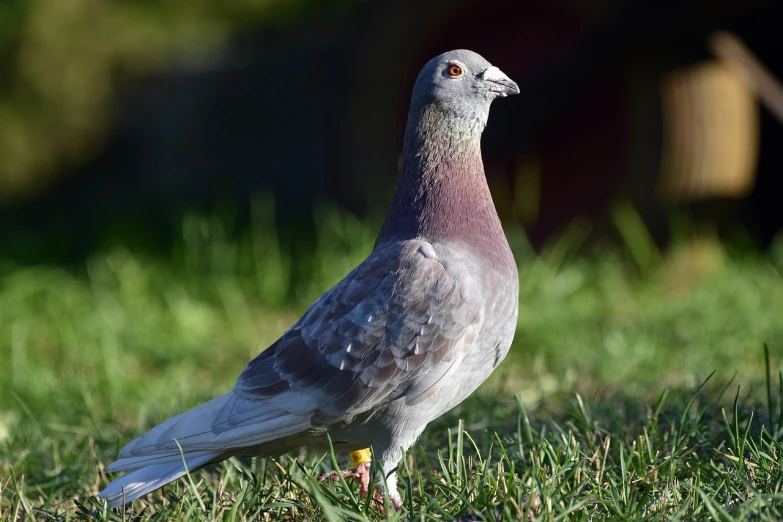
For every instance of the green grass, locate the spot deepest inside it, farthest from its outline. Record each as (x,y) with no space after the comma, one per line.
(605,408)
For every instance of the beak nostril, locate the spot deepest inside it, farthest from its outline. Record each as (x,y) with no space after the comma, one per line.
(499,82)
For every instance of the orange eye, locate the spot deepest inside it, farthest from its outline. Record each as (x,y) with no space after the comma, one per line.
(454,70)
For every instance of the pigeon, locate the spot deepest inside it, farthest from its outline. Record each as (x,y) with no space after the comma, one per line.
(402,339)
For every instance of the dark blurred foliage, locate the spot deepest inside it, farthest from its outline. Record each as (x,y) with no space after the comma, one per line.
(66,64)
(117,117)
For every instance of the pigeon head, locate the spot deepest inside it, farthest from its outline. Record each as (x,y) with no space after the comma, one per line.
(461,82)
(442,194)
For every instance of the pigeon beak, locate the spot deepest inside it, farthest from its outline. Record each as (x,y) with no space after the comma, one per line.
(499,82)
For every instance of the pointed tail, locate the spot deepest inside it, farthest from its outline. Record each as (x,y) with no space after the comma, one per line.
(143,480)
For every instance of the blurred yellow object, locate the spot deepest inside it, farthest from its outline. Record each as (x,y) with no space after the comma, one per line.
(710,134)
(361,456)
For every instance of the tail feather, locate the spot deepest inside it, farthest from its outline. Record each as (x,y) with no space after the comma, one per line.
(144,461)
(131,486)
(202,434)
(204,429)
(247,436)
(192,424)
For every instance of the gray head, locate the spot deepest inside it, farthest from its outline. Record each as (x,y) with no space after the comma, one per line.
(462,82)
(442,193)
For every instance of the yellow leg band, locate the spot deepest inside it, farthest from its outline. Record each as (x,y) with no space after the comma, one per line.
(360,457)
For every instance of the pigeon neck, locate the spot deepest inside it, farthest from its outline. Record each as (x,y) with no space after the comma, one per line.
(442,194)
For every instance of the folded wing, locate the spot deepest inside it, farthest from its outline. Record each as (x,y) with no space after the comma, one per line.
(392,328)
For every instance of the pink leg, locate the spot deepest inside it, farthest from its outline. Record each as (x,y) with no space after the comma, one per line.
(360,472)
(396,500)
(394,495)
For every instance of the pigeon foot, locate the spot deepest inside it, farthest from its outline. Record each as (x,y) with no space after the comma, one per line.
(360,472)
(394,498)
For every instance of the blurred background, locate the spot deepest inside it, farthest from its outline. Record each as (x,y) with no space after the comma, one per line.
(117,118)
(179,180)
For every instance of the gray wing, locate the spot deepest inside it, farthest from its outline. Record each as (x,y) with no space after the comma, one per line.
(394,327)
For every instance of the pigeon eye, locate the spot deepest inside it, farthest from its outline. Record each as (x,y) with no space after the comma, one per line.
(454,70)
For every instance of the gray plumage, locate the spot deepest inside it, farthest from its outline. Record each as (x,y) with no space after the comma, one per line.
(403,338)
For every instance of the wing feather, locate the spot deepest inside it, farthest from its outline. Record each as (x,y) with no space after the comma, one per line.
(394,327)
